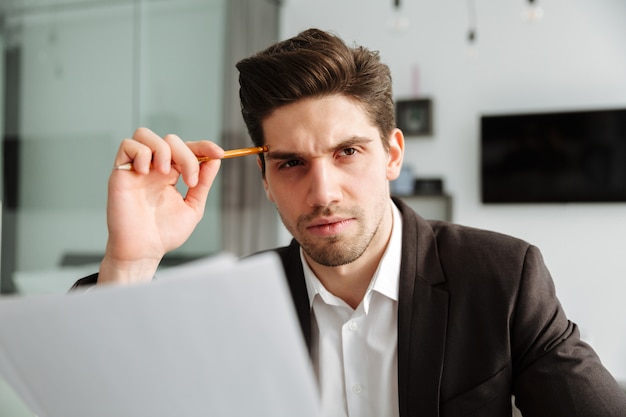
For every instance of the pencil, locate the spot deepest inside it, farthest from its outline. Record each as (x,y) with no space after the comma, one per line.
(233,153)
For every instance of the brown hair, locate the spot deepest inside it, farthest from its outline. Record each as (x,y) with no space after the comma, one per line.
(312,64)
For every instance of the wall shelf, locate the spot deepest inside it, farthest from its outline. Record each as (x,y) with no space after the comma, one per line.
(430,206)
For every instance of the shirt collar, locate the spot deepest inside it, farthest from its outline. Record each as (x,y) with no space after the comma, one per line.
(385,280)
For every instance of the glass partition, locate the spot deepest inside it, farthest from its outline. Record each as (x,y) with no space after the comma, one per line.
(77,78)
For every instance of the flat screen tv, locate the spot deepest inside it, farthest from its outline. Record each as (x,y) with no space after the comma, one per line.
(554,157)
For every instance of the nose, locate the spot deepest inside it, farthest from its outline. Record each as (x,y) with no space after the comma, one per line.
(324,184)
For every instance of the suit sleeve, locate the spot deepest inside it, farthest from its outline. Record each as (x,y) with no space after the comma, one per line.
(555,372)
(85,282)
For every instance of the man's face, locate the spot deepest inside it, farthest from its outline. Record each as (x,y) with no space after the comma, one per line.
(327,173)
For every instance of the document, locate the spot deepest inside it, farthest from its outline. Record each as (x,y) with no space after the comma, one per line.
(216,337)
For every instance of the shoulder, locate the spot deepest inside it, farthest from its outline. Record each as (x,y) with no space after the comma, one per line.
(468,256)
(485,256)
(460,241)
(469,241)
(289,255)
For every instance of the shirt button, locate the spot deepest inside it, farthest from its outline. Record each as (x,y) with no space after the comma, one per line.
(357,388)
(352,325)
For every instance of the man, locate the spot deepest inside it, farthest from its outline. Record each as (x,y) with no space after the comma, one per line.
(403,317)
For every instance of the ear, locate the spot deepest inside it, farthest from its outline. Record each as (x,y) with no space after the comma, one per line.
(396,154)
(265,184)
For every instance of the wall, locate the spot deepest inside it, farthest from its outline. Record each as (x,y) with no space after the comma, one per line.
(573,58)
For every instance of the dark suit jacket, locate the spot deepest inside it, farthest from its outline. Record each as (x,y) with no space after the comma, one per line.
(478,321)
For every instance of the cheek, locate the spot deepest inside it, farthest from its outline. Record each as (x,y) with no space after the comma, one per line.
(276,193)
(381,175)
(288,198)
(268,191)
(367,188)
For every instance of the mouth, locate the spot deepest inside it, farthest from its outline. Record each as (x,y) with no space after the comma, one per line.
(329,226)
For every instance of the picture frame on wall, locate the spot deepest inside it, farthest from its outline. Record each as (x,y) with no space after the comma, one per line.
(415,116)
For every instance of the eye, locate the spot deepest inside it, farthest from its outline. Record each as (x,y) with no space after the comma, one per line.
(289,164)
(347,152)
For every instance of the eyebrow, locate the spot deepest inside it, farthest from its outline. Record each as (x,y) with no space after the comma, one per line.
(348,143)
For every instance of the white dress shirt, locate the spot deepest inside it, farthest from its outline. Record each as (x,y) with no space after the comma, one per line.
(354,352)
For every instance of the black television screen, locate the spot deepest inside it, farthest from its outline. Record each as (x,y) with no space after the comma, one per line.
(573,156)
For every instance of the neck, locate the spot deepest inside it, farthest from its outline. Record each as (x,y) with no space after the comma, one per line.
(350,282)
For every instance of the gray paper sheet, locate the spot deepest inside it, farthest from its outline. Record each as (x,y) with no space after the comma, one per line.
(212,338)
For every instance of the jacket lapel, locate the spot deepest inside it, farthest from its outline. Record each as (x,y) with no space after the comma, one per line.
(290,257)
(422,318)
(422,314)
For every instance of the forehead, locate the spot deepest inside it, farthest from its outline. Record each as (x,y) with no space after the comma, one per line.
(317,123)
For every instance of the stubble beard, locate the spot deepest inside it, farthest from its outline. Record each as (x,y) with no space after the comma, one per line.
(334,250)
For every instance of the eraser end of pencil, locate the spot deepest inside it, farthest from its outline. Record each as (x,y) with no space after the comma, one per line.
(123,167)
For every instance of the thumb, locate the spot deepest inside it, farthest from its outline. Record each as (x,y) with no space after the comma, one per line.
(196,196)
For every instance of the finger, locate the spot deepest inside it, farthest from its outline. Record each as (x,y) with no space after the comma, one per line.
(196,196)
(208,149)
(205,148)
(142,149)
(184,159)
(161,156)
(136,153)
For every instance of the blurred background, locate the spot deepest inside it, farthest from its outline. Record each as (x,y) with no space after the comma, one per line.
(78,76)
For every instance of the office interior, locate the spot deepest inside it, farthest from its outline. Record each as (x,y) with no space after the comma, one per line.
(78,76)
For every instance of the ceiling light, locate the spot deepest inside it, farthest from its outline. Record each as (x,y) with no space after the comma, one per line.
(533,12)
(398,22)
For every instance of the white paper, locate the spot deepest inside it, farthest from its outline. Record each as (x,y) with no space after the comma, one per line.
(213,338)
